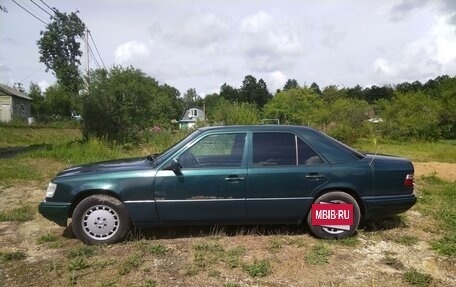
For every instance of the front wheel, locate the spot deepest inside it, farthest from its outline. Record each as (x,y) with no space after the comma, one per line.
(100,219)
(334,233)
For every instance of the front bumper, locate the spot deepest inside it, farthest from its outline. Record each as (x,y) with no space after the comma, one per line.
(55,211)
(382,206)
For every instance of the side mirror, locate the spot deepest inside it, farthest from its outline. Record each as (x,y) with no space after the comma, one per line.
(175,166)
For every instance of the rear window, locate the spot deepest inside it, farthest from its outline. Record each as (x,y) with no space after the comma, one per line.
(276,149)
(333,150)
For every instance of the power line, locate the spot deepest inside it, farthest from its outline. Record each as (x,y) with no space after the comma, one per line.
(95,45)
(36,71)
(42,9)
(94,58)
(36,17)
(50,8)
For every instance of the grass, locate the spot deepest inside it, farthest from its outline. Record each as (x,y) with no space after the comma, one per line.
(440,151)
(318,255)
(437,199)
(19,214)
(416,278)
(259,268)
(25,136)
(83,251)
(132,262)
(12,256)
(47,238)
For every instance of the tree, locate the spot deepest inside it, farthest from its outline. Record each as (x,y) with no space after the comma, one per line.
(296,106)
(316,88)
(230,113)
(38,103)
(412,115)
(229,93)
(122,102)
(291,84)
(192,99)
(254,92)
(60,50)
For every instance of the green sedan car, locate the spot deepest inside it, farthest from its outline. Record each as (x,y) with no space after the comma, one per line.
(266,174)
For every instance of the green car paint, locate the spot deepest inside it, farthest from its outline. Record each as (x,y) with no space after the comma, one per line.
(238,175)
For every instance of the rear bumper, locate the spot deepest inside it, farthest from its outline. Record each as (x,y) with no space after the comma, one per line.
(382,206)
(55,211)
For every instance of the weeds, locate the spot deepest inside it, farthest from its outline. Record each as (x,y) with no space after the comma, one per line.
(83,251)
(416,278)
(45,238)
(78,263)
(438,199)
(318,255)
(259,268)
(20,214)
(132,262)
(12,256)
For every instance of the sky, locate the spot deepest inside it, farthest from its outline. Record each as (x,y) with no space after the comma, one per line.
(204,44)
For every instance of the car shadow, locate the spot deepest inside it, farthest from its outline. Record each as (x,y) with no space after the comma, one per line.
(175,232)
(385,223)
(202,231)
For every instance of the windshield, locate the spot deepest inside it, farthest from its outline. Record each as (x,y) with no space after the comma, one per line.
(158,158)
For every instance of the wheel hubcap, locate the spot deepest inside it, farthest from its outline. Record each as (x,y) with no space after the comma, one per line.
(100,222)
(334,230)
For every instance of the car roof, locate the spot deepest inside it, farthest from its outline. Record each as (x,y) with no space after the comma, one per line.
(258,128)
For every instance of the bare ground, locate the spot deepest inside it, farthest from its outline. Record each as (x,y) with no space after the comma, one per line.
(376,257)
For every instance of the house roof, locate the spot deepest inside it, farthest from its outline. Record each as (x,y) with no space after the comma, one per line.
(186,118)
(13,92)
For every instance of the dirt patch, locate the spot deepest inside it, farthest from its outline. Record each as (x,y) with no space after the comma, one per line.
(446,171)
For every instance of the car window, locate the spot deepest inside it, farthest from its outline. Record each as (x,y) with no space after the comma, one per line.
(213,151)
(276,149)
(306,155)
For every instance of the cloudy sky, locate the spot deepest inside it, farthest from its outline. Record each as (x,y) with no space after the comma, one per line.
(203,44)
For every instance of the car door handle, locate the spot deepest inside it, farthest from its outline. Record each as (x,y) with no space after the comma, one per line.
(234,178)
(315,176)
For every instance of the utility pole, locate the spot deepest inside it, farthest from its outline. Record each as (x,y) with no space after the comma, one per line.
(87,52)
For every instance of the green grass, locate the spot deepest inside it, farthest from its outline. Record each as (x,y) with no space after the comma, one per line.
(26,136)
(440,151)
(20,214)
(407,240)
(78,152)
(132,262)
(259,268)
(416,278)
(83,251)
(47,238)
(318,255)
(12,256)
(437,199)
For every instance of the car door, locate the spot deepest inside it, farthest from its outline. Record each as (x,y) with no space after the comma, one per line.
(282,173)
(210,183)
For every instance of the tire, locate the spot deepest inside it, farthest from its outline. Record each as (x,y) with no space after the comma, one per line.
(100,219)
(331,233)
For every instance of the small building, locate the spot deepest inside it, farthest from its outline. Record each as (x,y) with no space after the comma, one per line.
(14,104)
(190,117)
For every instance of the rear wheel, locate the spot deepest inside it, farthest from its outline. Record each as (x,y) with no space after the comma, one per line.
(336,197)
(100,219)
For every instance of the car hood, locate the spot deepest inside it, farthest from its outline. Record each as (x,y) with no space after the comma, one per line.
(112,165)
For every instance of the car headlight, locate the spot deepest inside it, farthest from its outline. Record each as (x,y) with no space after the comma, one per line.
(51,189)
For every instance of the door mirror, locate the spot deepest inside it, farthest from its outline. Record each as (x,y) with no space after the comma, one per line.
(175,166)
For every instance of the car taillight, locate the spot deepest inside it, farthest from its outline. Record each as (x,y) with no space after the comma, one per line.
(409,180)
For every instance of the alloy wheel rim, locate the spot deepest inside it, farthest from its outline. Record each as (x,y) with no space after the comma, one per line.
(100,222)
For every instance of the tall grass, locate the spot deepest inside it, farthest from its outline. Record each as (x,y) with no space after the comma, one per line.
(25,136)
(441,151)
(438,199)
(78,152)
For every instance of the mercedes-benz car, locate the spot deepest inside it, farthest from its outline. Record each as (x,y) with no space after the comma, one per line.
(265,174)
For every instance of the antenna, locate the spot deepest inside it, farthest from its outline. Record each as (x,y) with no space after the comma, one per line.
(372,160)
